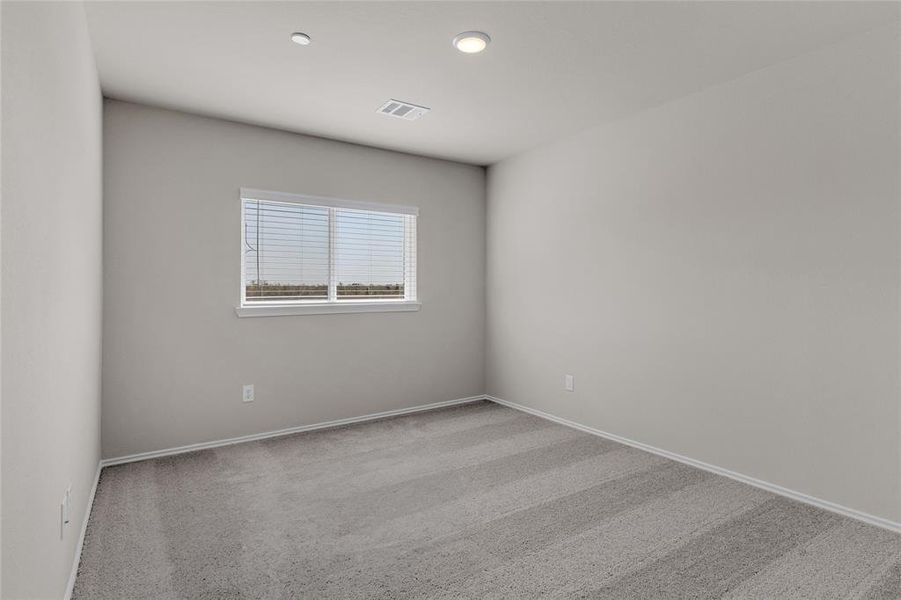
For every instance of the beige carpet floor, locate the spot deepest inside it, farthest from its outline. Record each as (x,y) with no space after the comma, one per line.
(476,501)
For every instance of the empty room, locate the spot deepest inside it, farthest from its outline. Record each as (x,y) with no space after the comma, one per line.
(455,300)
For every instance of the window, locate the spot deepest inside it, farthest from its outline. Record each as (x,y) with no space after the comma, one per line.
(302,255)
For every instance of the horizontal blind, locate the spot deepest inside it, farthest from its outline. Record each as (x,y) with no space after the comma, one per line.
(286,252)
(295,253)
(369,255)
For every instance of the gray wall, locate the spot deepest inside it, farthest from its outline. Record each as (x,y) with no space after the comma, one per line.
(720,274)
(176,356)
(51,289)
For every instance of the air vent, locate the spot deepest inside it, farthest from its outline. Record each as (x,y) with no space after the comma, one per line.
(403,110)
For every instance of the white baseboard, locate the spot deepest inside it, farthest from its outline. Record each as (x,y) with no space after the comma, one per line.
(270,434)
(764,485)
(70,586)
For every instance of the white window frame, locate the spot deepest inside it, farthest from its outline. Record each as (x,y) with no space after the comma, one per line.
(333,305)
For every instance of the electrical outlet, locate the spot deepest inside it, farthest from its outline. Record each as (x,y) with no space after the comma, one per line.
(65,509)
(568,383)
(248,393)
(68,503)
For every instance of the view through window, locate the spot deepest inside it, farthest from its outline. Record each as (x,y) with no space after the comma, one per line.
(303,253)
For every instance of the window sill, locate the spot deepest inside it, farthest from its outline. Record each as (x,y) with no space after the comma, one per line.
(287,310)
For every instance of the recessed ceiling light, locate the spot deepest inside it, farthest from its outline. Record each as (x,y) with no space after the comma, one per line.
(301,38)
(471,42)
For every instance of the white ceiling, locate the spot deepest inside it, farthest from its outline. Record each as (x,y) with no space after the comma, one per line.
(553,68)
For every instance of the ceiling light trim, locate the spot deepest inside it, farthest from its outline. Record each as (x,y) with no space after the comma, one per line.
(300,38)
(471,42)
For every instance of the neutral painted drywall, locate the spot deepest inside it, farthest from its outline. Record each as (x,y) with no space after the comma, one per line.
(51,289)
(720,274)
(176,355)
